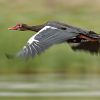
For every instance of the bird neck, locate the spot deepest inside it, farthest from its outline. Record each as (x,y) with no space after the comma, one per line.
(33,28)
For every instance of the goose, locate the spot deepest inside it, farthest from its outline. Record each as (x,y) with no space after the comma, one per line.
(53,32)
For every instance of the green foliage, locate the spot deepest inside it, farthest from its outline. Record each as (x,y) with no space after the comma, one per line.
(49,98)
(57,59)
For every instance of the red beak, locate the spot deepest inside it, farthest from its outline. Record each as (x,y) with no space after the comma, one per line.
(15,27)
(12,28)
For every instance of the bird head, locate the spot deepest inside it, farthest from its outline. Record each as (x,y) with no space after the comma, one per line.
(20,27)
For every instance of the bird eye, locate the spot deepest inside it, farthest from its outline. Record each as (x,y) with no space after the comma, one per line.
(18,25)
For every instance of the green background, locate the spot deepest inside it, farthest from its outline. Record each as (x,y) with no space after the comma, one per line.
(59,58)
(59,61)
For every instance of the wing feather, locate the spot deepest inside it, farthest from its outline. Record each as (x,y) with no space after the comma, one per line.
(44,39)
(92,47)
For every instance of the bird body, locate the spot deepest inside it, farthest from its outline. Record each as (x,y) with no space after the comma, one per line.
(53,32)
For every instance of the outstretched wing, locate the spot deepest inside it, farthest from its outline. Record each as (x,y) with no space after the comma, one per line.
(92,47)
(46,37)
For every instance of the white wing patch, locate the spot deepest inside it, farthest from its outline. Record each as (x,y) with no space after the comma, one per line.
(32,39)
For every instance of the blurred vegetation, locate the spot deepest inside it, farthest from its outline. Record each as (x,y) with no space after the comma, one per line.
(49,98)
(59,58)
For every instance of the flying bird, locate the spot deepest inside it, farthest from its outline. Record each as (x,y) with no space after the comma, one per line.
(53,32)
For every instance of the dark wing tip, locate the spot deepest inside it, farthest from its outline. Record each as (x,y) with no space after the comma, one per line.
(92,47)
(9,56)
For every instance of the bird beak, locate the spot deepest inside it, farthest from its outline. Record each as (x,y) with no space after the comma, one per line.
(12,28)
(16,27)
